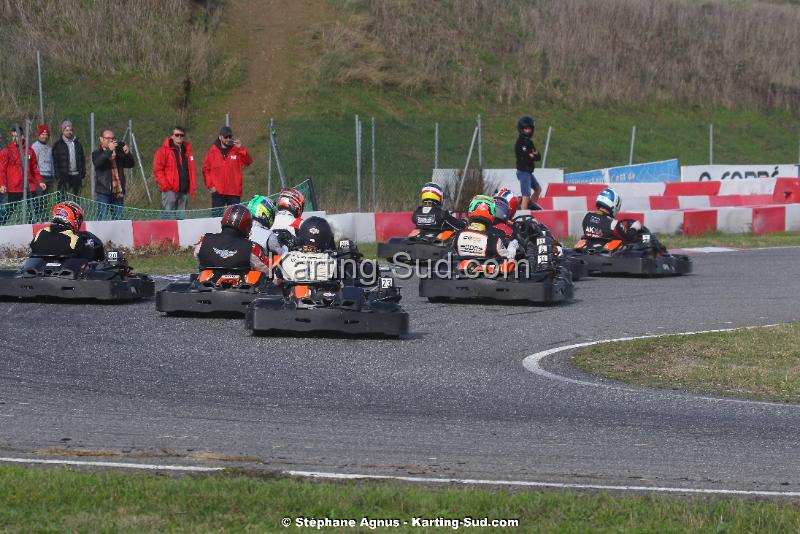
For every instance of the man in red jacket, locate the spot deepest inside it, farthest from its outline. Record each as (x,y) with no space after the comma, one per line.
(222,169)
(173,166)
(12,173)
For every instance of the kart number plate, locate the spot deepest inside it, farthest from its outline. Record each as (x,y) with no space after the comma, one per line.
(387,283)
(308,267)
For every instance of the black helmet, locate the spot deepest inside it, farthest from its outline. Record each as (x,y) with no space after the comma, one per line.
(315,234)
(238,217)
(526,122)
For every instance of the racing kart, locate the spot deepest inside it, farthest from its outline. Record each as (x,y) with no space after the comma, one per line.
(643,257)
(330,292)
(213,290)
(537,277)
(71,278)
(421,244)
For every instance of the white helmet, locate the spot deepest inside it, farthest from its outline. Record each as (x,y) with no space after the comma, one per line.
(610,200)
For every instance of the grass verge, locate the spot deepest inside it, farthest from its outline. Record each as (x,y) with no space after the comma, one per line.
(761,363)
(35,500)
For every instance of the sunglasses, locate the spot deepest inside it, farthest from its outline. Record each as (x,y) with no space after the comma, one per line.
(110,138)
(178,135)
(227,137)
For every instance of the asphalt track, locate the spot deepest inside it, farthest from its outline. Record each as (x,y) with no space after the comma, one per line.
(452,400)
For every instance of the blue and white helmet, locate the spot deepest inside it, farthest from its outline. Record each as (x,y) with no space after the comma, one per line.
(610,200)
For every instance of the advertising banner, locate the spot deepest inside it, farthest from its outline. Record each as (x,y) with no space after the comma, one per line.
(641,173)
(701,173)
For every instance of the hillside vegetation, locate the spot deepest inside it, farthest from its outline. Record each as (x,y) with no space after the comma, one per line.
(733,53)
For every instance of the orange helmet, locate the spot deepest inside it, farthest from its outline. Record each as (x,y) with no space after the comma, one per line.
(67,215)
(291,200)
(78,211)
(481,209)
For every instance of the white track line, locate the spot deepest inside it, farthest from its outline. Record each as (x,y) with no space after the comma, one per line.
(123,465)
(532,484)
(424,480)
(533,364)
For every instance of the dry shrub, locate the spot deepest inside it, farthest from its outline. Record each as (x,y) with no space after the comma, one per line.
(157,39)
(715,51)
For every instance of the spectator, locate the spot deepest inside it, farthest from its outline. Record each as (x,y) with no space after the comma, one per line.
(44,157)
(12,174)
(173,166)
(222,169)
(110,162)
(69,162)
(526,154)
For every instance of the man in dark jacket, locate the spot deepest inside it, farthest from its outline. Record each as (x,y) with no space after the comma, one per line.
(110,162)
(526,154)
(69,163)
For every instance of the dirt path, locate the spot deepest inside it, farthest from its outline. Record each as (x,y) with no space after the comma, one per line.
(276,33)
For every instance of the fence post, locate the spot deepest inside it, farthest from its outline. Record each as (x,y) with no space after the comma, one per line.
(358,164)
(466,166)
(227,119)
(710,144)
(546,146)
(372,146)
(273,140)
(633,141)
(480,143)
(41,92)
(436,147)
(269,160)
(91,165)
(141,167)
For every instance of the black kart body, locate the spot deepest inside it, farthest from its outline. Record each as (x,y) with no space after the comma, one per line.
(331,301)
(537,275)
(213,291)
(644,257)
(72,278)
(421,244)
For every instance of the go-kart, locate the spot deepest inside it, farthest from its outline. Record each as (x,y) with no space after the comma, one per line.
(643,257)
(537,277)
(421,244)
(213,290)
(330,292)
(74,278)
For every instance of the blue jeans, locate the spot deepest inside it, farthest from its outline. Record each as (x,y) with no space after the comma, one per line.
(109,203)
(526,181)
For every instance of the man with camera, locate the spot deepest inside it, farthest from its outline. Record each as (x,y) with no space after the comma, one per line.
(110,162)
(222,170)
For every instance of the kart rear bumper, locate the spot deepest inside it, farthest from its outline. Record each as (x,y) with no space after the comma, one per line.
(180,297)
(671,265)
(271,315)
(548,290)
(133,288)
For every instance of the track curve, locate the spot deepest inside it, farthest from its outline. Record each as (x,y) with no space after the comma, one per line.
(451,400)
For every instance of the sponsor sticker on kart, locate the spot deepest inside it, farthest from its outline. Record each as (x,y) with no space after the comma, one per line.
(472,244)
(308,267)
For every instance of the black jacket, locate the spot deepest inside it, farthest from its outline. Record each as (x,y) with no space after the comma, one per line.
(102,169)
(523,149)
(435,218)
(60,241)
(61,159)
